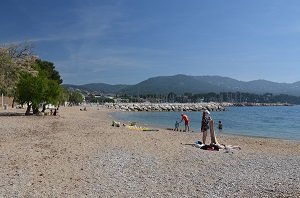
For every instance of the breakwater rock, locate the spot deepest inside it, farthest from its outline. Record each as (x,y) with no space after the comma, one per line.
(252,104)
(167,106)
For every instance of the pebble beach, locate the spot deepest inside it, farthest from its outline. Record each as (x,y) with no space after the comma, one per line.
(79,154)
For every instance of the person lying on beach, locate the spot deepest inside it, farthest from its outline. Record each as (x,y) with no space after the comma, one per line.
(210,147)
(215,147)
(230,148)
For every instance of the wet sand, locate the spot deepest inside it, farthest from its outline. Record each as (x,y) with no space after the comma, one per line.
(79,154)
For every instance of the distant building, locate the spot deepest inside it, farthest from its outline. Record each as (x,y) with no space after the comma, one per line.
(121,100)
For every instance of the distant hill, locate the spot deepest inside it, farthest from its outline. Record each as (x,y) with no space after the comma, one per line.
(98,87)
(194,84)
(177,84)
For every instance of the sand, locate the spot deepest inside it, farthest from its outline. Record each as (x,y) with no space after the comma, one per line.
(79,154)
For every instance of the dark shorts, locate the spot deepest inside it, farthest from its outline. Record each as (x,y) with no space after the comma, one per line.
(205,128)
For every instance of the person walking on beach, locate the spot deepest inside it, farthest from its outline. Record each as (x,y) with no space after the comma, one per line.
(186,122)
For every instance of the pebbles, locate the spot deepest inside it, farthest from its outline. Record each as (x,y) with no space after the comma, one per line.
(81,155)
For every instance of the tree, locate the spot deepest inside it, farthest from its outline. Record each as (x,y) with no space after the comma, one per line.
(30,80)
(171,97)
(52,94)
(14,60)
(43,88)
(31,91)
(48,69)
(7,73)
(54,91)
(63,96)
(76,98)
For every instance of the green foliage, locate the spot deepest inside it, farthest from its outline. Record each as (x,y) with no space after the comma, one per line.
(232,97)
(42,88)
(63,96)
(30,80)
(31,90)
(48,69)
(75,98)
(52,93)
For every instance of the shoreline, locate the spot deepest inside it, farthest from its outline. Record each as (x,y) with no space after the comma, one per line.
(110,113)
(113,111)
(19,113)
(79,154)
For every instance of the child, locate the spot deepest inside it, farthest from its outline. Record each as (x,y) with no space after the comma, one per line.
(176,126)
(220,125)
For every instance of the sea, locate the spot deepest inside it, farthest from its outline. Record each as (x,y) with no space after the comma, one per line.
(280,122)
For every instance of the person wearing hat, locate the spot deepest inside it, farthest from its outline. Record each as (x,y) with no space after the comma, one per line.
(205,124)
(186,122)
(208,123)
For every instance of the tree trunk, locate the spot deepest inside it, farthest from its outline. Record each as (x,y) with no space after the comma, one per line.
(44,108)
(13,102)
(28,109)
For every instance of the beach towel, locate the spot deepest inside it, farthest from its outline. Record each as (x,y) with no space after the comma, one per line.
(211,147)
(231,148)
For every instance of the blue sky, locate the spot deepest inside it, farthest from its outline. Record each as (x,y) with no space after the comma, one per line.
(128,41)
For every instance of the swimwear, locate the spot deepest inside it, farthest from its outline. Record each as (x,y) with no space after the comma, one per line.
(205,124)
(186,119)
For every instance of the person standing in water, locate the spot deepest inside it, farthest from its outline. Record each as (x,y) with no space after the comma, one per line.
(176,126)
(220,125)
(186,122)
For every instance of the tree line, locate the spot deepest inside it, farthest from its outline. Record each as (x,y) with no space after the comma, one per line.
(29,80)
(232,97)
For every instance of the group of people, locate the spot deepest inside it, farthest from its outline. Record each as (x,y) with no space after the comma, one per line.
(54,113)
(207,124)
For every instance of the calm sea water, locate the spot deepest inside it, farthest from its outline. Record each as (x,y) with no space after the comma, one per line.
(274,122)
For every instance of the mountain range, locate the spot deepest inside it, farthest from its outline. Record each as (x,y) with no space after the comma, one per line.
(180,84)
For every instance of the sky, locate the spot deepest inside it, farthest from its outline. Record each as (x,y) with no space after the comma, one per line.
(128,41)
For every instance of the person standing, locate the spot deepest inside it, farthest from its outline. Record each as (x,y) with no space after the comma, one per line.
(176,126)
(186,122)
(55,112)
(204,125)
(208,123)
(220,125)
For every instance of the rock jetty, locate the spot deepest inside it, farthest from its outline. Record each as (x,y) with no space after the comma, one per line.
(167,106)
(211,106)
